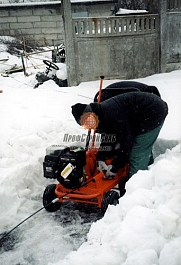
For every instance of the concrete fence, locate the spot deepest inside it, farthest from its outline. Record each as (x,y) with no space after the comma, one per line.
(124,47)
(127,47)
(170,35)
(117,47)
(115,26)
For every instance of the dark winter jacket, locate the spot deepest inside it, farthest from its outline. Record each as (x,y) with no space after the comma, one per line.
(126,116)
(125,87)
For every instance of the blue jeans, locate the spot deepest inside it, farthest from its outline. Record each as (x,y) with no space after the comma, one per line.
(142,149)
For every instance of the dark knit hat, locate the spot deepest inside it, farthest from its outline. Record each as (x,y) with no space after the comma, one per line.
(77,111)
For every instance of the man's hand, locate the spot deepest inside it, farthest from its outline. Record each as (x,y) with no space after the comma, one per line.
(101,166)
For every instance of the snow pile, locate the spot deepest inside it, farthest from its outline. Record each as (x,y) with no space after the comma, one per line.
(145,227)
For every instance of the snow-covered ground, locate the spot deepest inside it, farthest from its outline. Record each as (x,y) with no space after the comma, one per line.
(144,229)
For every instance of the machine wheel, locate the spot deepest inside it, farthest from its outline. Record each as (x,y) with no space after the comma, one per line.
(113,197)
(48,196)
(110,197)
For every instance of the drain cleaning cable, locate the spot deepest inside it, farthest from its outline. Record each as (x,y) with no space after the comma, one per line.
(53,201)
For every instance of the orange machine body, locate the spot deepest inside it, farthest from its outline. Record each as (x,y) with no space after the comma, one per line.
(95,186)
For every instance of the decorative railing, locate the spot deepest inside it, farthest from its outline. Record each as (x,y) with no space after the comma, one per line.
(174,4)
(102,26)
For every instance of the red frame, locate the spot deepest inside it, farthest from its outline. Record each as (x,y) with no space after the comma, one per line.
(96,186)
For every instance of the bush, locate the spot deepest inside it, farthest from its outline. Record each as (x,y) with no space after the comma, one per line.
(16,46)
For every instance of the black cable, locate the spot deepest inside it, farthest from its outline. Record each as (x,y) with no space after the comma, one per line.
(53,201)
(1,239)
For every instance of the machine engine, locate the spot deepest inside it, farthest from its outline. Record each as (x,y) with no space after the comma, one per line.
(66,165)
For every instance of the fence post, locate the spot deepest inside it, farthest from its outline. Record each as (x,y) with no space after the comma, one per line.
(163,35)
(72,75)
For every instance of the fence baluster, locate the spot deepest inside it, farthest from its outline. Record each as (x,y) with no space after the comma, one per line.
(115,25)
(132,25)
(112,26)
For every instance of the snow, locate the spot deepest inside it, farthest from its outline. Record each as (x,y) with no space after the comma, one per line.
(62,72)
(144,229)
(123,11)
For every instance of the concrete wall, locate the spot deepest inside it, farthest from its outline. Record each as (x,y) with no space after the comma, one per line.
(173,52)
(42,22)
(117,47)
(170,35)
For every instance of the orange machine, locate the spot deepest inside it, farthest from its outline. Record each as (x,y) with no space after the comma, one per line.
(90,188)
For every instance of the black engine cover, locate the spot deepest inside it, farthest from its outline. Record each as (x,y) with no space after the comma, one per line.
(54,164)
